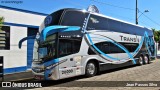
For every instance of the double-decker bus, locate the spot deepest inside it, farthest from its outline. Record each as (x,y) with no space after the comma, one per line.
(74,42)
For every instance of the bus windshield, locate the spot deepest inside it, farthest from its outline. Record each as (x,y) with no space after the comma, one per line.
(46,50)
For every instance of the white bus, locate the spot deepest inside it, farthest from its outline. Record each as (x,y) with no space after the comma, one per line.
(74,42)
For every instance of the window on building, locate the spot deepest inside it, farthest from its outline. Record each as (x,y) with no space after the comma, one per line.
(5,38)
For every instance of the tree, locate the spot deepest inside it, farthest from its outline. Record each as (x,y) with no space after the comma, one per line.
(156,34)
(1,22)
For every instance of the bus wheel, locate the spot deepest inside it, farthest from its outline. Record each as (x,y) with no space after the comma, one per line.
(91,69)
(146,59)
(141,60)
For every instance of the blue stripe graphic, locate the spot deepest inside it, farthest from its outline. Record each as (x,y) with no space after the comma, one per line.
(48,71)
(58,28)
(148,42)
(107,56)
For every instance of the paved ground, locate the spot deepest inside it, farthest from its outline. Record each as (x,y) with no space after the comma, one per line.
(18,76)
(149,72)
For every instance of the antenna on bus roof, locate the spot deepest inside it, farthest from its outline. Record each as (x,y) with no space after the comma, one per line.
(93,9)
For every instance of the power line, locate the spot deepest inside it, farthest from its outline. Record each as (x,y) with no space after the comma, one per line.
(150,19)
(131,19)
(145,23)
(120,16)
(118,7)
(127,9)
(112,5)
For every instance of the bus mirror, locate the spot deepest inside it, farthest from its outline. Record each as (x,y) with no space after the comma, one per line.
(24,39)
(38,41)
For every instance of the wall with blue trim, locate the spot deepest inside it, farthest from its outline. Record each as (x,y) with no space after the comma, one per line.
(16,16)
(15,69)
(15,59)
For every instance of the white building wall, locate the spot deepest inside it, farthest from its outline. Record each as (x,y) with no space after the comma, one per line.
(16,57)
(13,16)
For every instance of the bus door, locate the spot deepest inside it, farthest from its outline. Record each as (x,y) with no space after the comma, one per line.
(67,51)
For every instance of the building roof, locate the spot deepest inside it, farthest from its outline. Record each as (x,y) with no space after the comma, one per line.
(22,10)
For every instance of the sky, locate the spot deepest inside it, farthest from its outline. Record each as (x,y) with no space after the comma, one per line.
(120,9)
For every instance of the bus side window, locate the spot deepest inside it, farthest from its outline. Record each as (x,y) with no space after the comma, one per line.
(103,46)
(68,47)
(65,47)
(76,46)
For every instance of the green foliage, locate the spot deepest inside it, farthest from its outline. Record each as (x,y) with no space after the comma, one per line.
(1,22)
(156,35)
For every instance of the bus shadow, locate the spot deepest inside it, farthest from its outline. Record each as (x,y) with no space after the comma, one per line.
(117,69)
(121,68)
(56,83)
(158,57)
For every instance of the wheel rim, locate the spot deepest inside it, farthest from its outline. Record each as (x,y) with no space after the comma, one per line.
(146,59)
(141,60)
(91,68)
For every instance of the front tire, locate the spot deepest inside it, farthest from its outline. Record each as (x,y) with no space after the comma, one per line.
(91,69)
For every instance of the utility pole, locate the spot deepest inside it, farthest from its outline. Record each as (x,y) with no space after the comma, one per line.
(136,12)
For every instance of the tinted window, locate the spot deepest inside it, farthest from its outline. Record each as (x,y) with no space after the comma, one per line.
(67,47)
(54,17)
(115,49)
(107,48)
(114,25)
(97,23)
(103,23)
(91,52)
(131,47)
(73,18)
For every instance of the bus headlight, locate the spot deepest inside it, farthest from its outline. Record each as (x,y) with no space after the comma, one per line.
(51,66)
(38,69)
(77,58)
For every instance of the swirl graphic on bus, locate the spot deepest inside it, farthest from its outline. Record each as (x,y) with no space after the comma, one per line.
(149,43)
